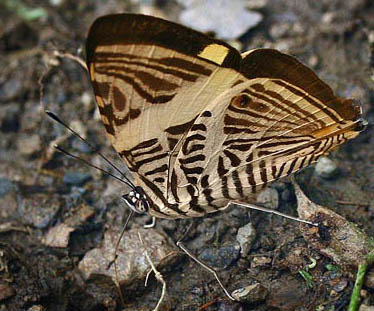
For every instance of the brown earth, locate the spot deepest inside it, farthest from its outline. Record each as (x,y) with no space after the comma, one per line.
(41,189)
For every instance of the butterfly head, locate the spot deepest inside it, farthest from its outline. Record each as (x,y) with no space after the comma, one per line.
(137,200)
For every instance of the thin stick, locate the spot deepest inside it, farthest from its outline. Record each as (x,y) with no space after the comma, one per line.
(72,57)
(352,203)
(205,266)
(158,275)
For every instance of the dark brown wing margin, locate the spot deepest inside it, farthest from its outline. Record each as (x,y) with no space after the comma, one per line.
(136,28)
(269,63)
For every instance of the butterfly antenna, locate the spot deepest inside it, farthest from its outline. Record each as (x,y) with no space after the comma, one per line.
(92,165)
(57,119)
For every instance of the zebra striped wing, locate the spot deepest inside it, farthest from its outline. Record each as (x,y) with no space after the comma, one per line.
(258,131)
(277,120)
(150,89)
(199,124)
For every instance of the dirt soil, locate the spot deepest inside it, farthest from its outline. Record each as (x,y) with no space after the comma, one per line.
(54,210)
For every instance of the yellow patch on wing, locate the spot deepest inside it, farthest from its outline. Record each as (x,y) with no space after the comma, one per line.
(215,53)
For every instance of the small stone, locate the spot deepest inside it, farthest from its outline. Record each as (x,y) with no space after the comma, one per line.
(203,15)
(58,236)
(76,178)
(222,257)
(6,291)
(250,294)
(36,308)
(245,236)
(280,30)
(326,168)
(340,286)
(131,260)
(313,61)
(39,210)
(29,144)
(87,100)
(268,198)
(6,186)
(10,89)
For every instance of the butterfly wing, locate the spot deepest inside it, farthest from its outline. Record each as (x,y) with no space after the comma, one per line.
(151,80)
(277,122)
(198,123)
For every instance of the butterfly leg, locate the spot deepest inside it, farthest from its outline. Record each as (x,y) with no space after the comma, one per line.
(205,266)
(271,211)
(152,224)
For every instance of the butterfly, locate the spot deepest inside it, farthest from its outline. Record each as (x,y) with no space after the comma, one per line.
(200,125)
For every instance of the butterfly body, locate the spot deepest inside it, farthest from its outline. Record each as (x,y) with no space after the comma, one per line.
(201,125)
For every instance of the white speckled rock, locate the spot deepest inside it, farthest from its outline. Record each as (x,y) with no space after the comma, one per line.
(326,168)
(245,236)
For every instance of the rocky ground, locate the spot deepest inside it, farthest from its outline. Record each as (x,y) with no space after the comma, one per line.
(59,220)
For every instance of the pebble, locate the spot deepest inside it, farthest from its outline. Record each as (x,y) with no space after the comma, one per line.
(76,178)
(203,16)
(87,100)
(250,294)
(6,186)
(38,210)
(29,144)
(131,260)
(326,168)
(340,286)
(222,257)
(245,236)
(280,30)
(10,89)
(58,236)
(268,198)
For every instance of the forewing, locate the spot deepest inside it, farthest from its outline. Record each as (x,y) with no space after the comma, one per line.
(152,79)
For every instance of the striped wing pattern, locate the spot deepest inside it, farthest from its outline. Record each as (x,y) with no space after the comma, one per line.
(265,129)
(199,124)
